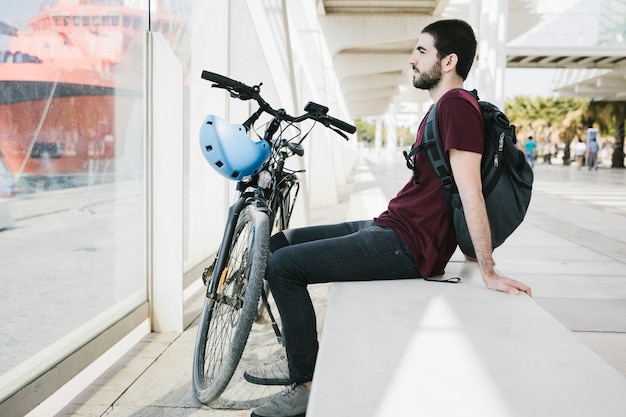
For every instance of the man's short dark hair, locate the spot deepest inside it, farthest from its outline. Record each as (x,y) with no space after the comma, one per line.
(454,36)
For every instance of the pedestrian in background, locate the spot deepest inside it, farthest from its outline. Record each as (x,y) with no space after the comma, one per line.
(547,153)
(579,153)
(593,154)
(530,147)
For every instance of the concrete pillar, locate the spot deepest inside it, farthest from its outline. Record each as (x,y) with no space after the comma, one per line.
(492,38)
(392,129)
(378,136)
(167,188)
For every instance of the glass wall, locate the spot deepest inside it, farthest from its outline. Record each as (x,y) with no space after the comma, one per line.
(76,221)
(73,189)
(196,50)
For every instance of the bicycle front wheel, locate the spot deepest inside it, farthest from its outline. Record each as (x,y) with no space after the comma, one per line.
(227,317)
(282,208)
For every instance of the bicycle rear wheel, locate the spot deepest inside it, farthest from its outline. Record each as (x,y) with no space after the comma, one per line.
(227,317)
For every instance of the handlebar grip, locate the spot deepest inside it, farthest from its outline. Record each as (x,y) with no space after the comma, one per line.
(340,124)
(221,80)
(245,92)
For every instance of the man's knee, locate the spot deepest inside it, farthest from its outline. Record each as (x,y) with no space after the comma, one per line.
(274,267)
(278,241)
(282,265)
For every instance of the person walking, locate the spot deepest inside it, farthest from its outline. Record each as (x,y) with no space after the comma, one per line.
(579,153)
(593,154)
(530,148)
(547,153)
(411,239)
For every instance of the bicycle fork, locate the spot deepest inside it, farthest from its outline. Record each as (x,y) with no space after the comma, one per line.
(218,270)
(213,284)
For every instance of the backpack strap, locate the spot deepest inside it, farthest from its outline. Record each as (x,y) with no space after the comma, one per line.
(436,156)
(432,146)
(434,150)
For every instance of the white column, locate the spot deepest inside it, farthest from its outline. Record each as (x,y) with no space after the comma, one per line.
(392,129)
(492,39)
(378,136)
(167,188)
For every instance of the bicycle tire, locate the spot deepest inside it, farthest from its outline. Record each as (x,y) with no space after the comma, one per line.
(282,209)
(276,226)
(226,319)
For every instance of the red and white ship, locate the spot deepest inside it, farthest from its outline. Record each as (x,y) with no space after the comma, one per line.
(68,82)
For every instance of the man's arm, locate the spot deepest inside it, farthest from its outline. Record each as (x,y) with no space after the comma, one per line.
(466,170)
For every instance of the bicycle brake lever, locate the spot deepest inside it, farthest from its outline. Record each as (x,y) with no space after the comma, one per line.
(339,132)
(296,148)
(231,92)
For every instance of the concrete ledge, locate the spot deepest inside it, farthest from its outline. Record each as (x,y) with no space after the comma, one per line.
(412,347)
(6,220)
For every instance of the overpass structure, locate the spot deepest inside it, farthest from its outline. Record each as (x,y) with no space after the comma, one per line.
(370,42)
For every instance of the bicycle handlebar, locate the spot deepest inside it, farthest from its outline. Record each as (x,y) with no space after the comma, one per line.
(233,86)
(244,92)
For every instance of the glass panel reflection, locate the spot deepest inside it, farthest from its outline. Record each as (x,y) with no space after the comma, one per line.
(71,175)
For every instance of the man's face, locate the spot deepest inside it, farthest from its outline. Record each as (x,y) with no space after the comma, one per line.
(426,66)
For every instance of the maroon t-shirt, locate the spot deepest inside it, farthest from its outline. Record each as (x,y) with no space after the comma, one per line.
(418,213)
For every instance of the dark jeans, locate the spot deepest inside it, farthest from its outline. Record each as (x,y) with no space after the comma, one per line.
(593,160)
(352,251)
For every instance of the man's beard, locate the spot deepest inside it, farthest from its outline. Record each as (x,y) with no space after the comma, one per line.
(429,79)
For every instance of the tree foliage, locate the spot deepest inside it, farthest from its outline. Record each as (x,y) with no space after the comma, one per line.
(557,122)
(365,132)
(561,121)
(548,119)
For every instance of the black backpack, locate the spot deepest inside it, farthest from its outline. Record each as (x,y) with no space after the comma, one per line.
(507,178)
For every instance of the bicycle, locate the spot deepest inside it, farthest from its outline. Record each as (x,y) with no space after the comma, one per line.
(266,194)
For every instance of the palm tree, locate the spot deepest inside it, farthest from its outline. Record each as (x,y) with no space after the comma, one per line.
(548,119)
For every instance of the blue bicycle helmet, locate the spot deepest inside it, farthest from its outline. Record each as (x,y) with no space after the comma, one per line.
(229,150)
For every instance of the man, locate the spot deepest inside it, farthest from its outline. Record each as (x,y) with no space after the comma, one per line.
(403,242)
(547,153)
(530,148)
(593,154)
(580,149)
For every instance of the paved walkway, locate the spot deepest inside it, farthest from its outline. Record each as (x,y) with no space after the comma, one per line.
(571,250)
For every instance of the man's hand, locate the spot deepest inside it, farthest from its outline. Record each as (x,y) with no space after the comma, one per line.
(497,282)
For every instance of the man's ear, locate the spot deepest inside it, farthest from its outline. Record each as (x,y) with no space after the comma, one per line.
(449,63)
